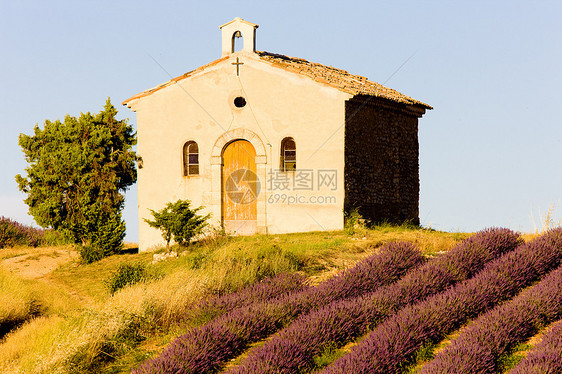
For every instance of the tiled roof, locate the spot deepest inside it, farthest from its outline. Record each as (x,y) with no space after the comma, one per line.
(337,78)
(340,79)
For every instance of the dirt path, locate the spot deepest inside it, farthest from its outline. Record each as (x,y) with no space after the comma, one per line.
(35,263)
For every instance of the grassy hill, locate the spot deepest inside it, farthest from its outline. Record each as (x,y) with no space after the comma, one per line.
(57,316)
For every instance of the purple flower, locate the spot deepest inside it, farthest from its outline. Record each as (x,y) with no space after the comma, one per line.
(395,341)
(209,347)
(491,335)
(293,349)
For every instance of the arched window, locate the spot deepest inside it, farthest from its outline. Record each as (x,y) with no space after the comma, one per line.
(288,155)
(190,158)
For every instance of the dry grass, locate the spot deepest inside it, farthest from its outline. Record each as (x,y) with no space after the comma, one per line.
(24,299)
(18,302)
(548,221)
(92,331)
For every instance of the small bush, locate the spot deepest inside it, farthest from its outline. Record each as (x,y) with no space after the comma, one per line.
(178,222)
(107,241)
(352,221)
(90,254)
(126,275)
(99,356)
(214,236)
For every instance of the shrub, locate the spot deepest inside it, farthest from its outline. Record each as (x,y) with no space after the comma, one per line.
(90,254)
(126,275)
(353,220)
(98,355)
(389,347)
(178,222)
(293,349)
(53,238)
(207,348)
(214,236)
(478,347)
(546,357)
(107,241)
(13,233)
(78,172)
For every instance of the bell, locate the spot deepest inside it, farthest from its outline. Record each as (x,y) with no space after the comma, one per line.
(237,34)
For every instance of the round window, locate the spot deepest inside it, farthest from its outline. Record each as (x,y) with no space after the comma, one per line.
(240,102)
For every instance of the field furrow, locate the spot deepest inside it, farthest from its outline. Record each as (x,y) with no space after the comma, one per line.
(207,348)
(478,347)
(293,349)
(390,347)
(268,289)
(546,356)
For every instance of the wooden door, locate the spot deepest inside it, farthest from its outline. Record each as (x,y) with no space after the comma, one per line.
(240,187)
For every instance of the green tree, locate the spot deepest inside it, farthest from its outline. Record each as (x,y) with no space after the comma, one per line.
(78,170)
(179,222)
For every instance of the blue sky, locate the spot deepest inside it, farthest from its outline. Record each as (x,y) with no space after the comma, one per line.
(490,151)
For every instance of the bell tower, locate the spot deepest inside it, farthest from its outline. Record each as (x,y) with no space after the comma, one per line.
(238,28)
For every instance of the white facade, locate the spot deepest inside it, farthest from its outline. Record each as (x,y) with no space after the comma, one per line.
(280,103)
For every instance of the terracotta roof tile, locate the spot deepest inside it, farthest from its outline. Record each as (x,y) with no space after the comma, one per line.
(338,78)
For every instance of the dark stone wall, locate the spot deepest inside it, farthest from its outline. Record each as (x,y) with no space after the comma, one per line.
(382,160)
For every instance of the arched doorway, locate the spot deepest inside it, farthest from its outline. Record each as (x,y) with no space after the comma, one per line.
(240,187)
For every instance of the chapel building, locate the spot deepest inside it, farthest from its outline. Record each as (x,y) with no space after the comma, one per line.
(274,144)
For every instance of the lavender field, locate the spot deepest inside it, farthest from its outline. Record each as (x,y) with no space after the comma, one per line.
(387,314)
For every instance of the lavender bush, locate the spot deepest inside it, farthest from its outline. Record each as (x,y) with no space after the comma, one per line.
(293,349)
(206,349)
(546,357)
(13,233)
(267,289)
(389,347)
(491,335)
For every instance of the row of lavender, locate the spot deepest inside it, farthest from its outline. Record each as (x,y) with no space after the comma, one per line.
(546,357)
(13,233)
(477,349)
(207,348)
(293,349)
(393,343)
(265,290)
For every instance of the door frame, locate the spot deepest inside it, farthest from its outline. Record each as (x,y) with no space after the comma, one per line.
(237,224)
(261,171)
